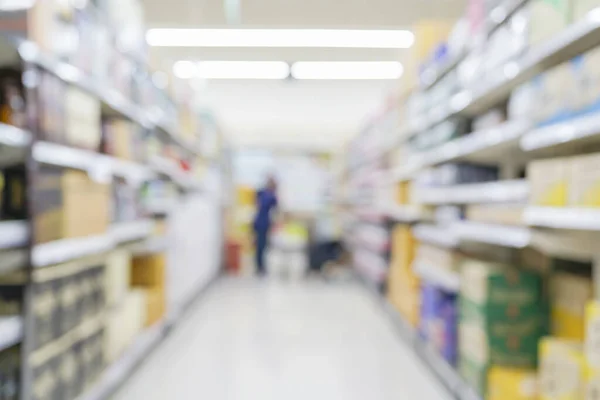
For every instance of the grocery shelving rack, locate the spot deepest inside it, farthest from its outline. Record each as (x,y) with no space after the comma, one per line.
(34,262)
(567,232)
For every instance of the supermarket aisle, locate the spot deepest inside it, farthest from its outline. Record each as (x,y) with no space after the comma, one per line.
(265,340)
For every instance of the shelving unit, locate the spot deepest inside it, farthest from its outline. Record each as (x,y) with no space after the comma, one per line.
(486,175)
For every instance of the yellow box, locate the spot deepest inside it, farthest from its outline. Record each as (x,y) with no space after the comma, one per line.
(155,306)
(561,370)
(511,384)
(549,182)
(592,335)
(584,185)
(403,246)
(148,270)
(569,295)
(403,192)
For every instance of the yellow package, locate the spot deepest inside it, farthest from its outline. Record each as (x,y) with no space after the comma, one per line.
(561,370)
(506,383)
(592,384)
(584,185)
(548,180)
(569,295)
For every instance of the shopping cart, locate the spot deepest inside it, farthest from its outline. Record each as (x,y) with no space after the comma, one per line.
(287,253)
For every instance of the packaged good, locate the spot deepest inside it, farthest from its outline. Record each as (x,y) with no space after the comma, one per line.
(148,270)
(569,296)
(51,120)
(584,183)
(511,383)
(555,94)
(503,214)
(62,202)
(587,98)
(440,257)
(547,18)
(549,182)
(155,305)
(124,323)
(592,350)
(82,119)
(117,276)
(561,370)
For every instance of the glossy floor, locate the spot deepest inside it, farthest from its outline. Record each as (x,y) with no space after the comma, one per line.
(274,340)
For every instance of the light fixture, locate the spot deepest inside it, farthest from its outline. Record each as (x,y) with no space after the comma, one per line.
(232,69)
(347,70)
(327,38)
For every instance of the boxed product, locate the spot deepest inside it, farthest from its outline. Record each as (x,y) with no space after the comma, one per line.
(547,18)
(82,119)
(438,321)
(121,138)
(506,383)
(549,182)
(442,258)
(51,120)
(556,89)
(124,323)
(503,214)
(117,276)
(584,183)
(46,314)
(569,295)
(155,305)
(69,204)
(148,270)
(592,350)
(403,245)
(125,201)
(582,7)
(561,370)
(403,192)
(588,81)
(496,287)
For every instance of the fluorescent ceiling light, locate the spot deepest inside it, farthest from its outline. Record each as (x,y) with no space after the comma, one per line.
(329,38)
(347,70)
(232,69)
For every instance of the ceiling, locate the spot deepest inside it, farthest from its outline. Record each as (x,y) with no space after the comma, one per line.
(291,113)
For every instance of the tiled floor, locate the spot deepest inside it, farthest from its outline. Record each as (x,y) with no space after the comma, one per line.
(272,340)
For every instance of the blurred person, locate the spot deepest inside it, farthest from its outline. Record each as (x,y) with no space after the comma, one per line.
(266,203)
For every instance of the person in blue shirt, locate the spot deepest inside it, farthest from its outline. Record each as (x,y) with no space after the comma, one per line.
(266,202)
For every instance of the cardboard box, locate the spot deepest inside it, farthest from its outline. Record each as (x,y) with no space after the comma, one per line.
(403,246)
(504,214)
(69,204)
(511,384)
(547,18)
(148,271)
(549,182)
(569,296)
(561,370)
(584,184)
(155,306)
(82,119)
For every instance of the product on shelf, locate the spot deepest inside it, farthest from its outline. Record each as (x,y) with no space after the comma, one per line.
(561,370)
(10,371)
(14,193)
(504,214)
(441,258)
(438,321)
(501,319)
(12,100)
(122,139)
(457,173)
(549,182)
(124,323)
(125,201)
(506,383)
(584,182)
(62,203)
(148,273)
(555,87)
(118,264)
(569,295)
(82,119)
(548,17)
(592,350)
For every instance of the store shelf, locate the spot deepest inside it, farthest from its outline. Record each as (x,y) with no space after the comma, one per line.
(575,131)
(446,280)
(13,234)
(60,251)
(501,235)
(99,166)
(170,169)
(574,40)
(11,331)
(508,191)
(404,214)
(487,145)
(500,14)
(433,74)
(587,219)
(443,236)
(128,231)
(151,245)
(14,137)
(120,370)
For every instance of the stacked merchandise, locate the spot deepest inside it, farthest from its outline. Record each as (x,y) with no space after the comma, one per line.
(502,318)
(402,283)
